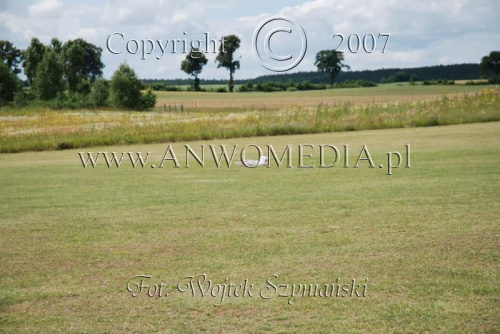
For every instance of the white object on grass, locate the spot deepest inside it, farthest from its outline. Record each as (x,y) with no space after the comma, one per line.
(253,163)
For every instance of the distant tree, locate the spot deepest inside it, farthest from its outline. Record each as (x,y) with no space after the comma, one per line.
(33,55)
(491,64)
(81,61)
(11,56)
(193,65)
(330,61)
(226,55)
(125,88)
(400,76)
(48,81)
(9,84)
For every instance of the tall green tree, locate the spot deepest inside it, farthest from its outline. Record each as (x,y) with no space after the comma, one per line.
(56,46)
(48,81)
(9,84)
(330,61)
(81,61)
(11,56)
(125,91)
(491,64)
(33,55)
(193,65)
(225,58)
(125,88)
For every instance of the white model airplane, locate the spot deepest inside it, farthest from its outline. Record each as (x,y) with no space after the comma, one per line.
(253,163)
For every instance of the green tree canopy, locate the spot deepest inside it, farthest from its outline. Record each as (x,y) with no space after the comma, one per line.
(193,65)
(330,61)
(48,81)
(225,58)
(56,46)
(33,55)
(11,56)
(81,61)
(491,64)
(9,84)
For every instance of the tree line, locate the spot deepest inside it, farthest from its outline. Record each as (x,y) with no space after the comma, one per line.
(67,75)
(425,73)
(70,74)
(329,65)
(448,72)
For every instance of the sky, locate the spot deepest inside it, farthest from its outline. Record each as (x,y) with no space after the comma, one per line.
(422,32)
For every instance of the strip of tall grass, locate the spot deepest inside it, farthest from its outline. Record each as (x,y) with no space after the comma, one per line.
(55,130)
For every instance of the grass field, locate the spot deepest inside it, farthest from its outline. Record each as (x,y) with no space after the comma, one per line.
(426,238)
(386,93)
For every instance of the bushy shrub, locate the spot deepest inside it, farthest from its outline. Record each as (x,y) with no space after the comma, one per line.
(268,87)
(70,100)
(247,87)
(148,100)
(277,86)
(438,82)
(59,101)
(474,83)
(355,84)
(84,87)
(192,89)
(305,85)
(162,86)
(22,98)
(125,89)
(99,93)
(170,88)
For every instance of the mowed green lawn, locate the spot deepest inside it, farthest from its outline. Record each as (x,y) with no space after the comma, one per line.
(426,238)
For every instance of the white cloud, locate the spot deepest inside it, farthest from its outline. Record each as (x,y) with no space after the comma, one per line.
(423,33)
(46,9)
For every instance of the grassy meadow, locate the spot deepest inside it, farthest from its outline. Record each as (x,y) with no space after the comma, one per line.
(426,238)
(382,94)
(220,116)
